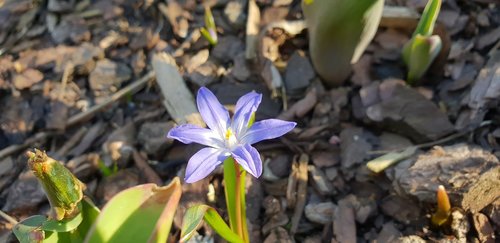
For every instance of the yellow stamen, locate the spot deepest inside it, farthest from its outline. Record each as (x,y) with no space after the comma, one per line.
(229,132)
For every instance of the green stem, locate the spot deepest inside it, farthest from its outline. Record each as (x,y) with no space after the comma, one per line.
(238,193)
(243,205)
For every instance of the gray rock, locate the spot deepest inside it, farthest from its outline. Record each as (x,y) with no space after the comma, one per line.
(353,146)
(24,194)
(299,73)
(108,76)
(227,48)
(321,213)
(458,168)
(235,13)
(405,111)
(152,136)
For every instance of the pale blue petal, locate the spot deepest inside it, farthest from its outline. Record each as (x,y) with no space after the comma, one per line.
(203,163)
(213,113)
(267,129)
(189,133)
(244,109)
(248,157)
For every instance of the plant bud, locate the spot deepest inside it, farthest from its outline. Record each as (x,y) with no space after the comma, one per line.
(62,188)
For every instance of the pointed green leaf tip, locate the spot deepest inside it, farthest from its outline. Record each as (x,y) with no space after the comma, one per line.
(142,213)
(422,49)
(428,19)
(62,188)
(195,215)
(420,53)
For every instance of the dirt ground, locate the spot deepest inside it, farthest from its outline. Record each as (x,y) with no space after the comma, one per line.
(99,83)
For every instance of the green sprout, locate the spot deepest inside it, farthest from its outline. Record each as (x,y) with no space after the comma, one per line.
(74,218)
(210,30)
(339,32)
(423,48)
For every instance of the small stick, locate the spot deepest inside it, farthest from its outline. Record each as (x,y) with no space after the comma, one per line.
(146,170)
(85,115)
(72,141)
(7,217)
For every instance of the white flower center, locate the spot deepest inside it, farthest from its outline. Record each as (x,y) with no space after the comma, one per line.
(230,139)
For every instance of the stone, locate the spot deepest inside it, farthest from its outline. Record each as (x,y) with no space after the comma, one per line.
(354,146)
(389,233)
(400,209)
(27,78)
(72,29)
(108,76)
(324,159)
(227,48)
(204,74)
(152,137)
(407,112)
(458,168)
(321,213)
(235,13)
(24,194)
(299,73)
(240,68)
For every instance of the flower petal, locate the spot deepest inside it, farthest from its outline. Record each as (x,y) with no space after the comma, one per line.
(213,113)
(189,133)
(244,109)
(267,129)
(248,157)
(203,163)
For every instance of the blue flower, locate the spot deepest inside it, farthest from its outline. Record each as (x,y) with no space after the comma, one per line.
(225,137)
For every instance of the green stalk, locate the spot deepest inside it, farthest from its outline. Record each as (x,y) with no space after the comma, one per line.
(238,193)
(243,205)
(229,191)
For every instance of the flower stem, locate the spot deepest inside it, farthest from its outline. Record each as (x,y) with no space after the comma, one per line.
(234,180)
(238,193)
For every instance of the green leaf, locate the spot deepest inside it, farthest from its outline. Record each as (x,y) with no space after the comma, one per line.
(208,36)
(89,213)
(339,32)
(30,229)
(381,163)
(422,53)
(193,219)
(425,26)
(142,213)
(63,225)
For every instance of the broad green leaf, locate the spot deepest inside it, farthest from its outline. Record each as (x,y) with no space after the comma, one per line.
(422,53)
(195,215)
(30,229)
(89,213)
(381,163)
(425,26)
(339,32)
(139,214)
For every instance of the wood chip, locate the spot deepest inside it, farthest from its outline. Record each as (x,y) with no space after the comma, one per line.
(300,191)
(252,30)
(178,100)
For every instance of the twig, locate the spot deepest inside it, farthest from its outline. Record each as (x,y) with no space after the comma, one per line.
(301,192)
(434,143)
(68,71)
(146,170)
(72,141)
(131,88)
(7,217)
